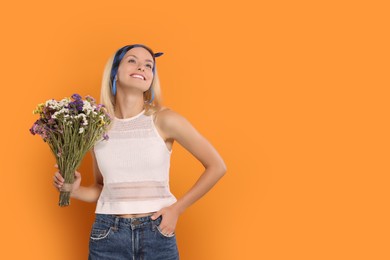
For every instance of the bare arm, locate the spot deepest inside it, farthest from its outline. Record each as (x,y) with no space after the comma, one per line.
(188,137)
(178,128)
(87,194)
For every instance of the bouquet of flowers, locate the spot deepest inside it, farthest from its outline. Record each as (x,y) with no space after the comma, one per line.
(70,127)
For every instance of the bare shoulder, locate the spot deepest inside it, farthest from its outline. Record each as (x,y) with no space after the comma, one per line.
(177,128)
(172,123)
(167,114)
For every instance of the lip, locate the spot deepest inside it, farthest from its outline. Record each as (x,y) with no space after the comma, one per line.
(137,74)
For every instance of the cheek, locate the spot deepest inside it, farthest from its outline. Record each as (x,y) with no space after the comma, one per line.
(120,71)
(123,72)
(150,77)
(126,67)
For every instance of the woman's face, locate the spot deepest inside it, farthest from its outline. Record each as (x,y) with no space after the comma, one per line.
(135,69)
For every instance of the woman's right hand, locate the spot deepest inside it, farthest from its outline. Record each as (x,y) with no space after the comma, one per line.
(58,180)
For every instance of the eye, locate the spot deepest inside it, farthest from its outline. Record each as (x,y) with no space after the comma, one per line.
(132,61)
(149,66)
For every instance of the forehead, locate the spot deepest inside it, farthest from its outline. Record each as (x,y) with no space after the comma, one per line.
(140,53)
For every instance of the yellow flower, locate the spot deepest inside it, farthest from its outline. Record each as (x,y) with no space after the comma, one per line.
(101,122)
(39,109)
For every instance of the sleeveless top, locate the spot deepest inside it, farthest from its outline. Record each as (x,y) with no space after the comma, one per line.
(134,163)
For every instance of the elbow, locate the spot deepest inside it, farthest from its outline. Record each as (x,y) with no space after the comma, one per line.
(222,169)
(217,168)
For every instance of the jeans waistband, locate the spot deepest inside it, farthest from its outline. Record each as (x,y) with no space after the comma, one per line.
(116,221)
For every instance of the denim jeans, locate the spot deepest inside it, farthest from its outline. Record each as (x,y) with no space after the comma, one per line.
(116,238)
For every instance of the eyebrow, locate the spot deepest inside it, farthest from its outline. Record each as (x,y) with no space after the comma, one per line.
(137,58)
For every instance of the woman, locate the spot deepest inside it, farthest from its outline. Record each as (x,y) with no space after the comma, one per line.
(136,214)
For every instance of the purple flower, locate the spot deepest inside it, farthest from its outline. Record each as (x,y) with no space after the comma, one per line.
(47,112)
(79,106)
(105,137)
(100,107)
(51,121)
(40,129)
(90,99)
(33,128)
(76,97)
(76,106)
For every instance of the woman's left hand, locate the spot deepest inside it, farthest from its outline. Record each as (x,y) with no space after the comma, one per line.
(169,219)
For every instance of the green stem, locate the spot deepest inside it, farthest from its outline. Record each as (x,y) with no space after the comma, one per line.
(64,199)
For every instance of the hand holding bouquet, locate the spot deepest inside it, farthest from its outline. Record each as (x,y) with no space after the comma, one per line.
(70,128)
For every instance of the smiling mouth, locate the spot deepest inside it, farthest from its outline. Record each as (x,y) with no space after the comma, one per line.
(137,76)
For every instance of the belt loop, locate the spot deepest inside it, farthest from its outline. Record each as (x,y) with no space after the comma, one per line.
(154,223)
(116,223)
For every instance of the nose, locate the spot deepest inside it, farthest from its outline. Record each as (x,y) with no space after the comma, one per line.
(141,68)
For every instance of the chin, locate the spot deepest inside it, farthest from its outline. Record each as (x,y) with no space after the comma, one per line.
(142,87)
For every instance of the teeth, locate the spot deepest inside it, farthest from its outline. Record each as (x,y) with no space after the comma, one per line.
(137,76)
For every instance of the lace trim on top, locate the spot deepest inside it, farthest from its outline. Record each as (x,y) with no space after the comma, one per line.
(139,191)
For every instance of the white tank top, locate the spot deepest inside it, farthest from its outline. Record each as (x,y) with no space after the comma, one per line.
(135,163)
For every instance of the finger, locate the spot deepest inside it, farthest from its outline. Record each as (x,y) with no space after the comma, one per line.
(56,165)
(164,227)
(167,232)
(77,175)
(56,179)
(156,215)
(163,230)
(57,182)
(59,176)
(57,186)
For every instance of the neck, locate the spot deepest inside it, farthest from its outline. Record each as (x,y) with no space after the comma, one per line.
(128,104)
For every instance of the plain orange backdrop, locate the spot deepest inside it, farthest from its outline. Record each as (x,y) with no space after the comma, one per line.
(293,94)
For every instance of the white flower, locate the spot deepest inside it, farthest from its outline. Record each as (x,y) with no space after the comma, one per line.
(64,102)
(87,107)
(53,104)
(81,130)
(57,105)
(63,111)
(84,118)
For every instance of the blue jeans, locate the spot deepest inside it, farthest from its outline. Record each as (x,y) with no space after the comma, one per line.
(116,238)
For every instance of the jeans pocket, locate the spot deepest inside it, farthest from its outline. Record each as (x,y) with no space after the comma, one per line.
(164,235)
(99,231)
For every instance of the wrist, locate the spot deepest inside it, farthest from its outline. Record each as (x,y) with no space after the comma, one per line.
(74,192)
(177,207)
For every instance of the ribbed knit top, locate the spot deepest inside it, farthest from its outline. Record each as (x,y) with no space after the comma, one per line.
(135,164)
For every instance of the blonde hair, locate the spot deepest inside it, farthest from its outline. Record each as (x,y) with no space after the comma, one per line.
(108,99)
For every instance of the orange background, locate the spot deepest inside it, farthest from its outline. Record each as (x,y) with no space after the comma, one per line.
(293,94)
